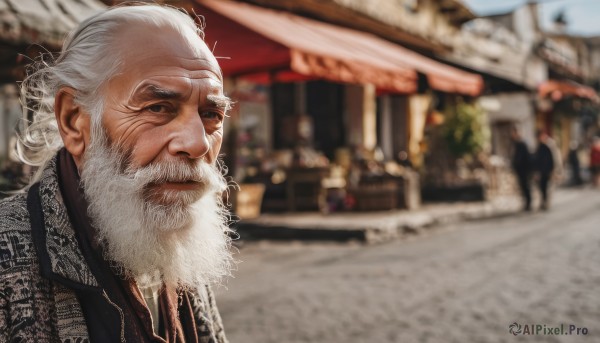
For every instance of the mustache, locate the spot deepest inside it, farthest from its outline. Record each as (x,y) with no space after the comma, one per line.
(172,171)
(180,171)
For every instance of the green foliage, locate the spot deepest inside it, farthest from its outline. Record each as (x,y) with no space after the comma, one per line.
(465,130)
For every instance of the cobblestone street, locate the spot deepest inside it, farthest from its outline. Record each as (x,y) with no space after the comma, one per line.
(460,283)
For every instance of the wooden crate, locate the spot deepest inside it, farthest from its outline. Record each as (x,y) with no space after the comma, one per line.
(247,201)
(373,197)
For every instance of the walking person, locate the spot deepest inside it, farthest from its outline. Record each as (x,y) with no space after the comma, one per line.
(521,164)
(574,164)
(544,165)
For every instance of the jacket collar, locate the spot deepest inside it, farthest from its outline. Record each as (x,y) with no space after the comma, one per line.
(67,262)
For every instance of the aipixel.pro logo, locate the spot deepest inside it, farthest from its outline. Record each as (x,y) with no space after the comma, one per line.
(546,330)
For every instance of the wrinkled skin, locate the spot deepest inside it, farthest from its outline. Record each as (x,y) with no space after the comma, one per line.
(166,104)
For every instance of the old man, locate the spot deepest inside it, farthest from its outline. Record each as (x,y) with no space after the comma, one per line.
(122,233)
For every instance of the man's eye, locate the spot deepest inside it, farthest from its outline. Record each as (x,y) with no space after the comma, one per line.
(158,108)
(211,115)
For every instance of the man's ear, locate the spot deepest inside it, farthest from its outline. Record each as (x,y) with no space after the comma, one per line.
(73,123)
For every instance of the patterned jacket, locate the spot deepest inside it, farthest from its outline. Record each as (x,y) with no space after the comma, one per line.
(38,275)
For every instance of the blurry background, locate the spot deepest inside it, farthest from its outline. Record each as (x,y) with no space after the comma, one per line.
(371,122)
(342,101)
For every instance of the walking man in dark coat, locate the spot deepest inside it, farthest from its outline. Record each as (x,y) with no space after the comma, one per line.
(544,163)
(521,163)
(574,163)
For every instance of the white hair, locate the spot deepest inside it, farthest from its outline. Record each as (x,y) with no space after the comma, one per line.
(86,63)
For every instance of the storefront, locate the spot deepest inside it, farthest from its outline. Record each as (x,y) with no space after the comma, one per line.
(316,96)
(562,108)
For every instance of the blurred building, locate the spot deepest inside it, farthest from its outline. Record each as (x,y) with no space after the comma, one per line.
(326,88)
(566,100)
(534,79)
(327,63)
(501,48)
(29,29)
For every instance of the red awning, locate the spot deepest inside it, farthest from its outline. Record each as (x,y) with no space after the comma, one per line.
(557,89)
(255,40)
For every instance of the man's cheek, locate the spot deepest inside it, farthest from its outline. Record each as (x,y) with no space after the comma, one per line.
(215,140)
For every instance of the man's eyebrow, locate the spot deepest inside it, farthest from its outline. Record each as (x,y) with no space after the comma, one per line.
(220,101)
(153,92)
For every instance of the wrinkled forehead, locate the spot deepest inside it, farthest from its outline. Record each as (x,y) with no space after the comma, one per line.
(146,49)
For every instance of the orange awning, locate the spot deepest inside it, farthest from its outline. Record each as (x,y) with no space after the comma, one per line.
(259,40)
(557,89)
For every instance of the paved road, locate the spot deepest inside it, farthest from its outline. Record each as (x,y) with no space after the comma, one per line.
(462,283)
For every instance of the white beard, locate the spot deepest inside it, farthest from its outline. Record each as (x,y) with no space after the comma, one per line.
(180,236)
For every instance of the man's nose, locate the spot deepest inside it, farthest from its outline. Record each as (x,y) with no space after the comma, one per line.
(189,137)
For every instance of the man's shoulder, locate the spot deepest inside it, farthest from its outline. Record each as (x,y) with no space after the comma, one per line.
(13,214)
(26,300)
(16,245)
